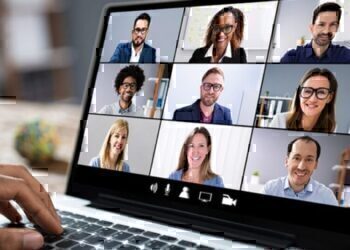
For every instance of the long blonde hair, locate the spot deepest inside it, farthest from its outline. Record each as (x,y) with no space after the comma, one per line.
(326,121)
(105,160)
(205,170)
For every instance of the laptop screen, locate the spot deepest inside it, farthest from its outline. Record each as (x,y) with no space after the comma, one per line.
(231,111)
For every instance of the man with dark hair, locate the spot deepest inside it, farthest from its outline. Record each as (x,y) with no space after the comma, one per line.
(136,51)
(129,81)
(301,161)
(205,109)
(325,24)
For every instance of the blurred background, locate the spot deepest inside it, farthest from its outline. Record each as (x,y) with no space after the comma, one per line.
(45,52)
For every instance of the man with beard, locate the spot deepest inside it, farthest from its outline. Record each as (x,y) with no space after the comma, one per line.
(129,81)
(325,24)
(136,51)
(301,161)
(205,109)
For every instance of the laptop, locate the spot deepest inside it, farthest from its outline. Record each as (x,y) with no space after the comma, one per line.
(175,148)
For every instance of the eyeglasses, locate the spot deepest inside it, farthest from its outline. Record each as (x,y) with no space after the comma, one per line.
(207,86)
(321,93)
(226,29)
(126,85)
(140,31)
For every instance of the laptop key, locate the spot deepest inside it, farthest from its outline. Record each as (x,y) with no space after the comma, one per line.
(50,238)
(137,240)
(106,231)
(135,230)
(68,230)
(78,216)
(95,240)
(173,247)
(90,220)
(150,234)
(66,243)
(67,221)
(79,236)
(202,247)
(155,244)
(104,223)
(186,243)
(128,247)
(83,247)
(91,228)
(78,224)
(111,244)
(167,238)
(121,236)
(120,227)
(47,247)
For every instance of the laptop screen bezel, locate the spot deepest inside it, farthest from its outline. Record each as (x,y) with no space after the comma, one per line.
(252,209)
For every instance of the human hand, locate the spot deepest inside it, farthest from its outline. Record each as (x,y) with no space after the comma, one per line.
(16,183)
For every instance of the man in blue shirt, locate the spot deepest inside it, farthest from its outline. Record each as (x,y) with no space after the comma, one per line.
(136,51)
(325,24)
(301,161)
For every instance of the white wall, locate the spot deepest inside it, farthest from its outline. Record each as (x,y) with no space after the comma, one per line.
(240,94)
(229,150)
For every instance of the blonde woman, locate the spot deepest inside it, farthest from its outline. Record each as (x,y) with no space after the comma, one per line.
(112,152)
(194,161)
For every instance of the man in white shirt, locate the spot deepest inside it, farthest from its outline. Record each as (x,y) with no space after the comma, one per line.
(136,51)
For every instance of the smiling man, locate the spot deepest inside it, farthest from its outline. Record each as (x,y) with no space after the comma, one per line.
(301,161)
(205,109)
(128,81)
(136,51)
(325,24)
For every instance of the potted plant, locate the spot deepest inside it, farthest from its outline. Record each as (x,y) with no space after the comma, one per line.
(301,41)
(255,178)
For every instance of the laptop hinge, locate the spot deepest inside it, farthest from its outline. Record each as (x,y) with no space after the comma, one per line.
(236,231)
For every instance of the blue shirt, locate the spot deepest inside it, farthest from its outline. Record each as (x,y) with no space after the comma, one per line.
(305,54)
(313,192)
(95,162)
(216,181)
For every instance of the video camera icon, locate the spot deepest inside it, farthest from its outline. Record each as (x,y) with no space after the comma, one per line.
(228,201)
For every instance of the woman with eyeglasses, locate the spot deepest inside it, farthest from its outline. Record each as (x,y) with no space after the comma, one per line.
(112,151)
(223,39)
(313,105)
(129,80)
(194,161)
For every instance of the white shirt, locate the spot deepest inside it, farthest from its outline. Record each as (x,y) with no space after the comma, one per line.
(135,57)
(228,53)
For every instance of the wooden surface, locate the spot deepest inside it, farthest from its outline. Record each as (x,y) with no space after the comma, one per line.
(65,117)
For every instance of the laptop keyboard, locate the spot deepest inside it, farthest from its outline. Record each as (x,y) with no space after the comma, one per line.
(81,232)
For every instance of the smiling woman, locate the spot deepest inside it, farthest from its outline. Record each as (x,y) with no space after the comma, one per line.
(112,151)
(223,39)
(313,106)
(194,161)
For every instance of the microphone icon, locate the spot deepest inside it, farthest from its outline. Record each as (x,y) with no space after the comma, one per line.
(167,190)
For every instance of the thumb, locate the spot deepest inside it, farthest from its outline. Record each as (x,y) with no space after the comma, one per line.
(26,239)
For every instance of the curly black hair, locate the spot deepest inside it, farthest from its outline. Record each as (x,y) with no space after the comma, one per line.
(132,70)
